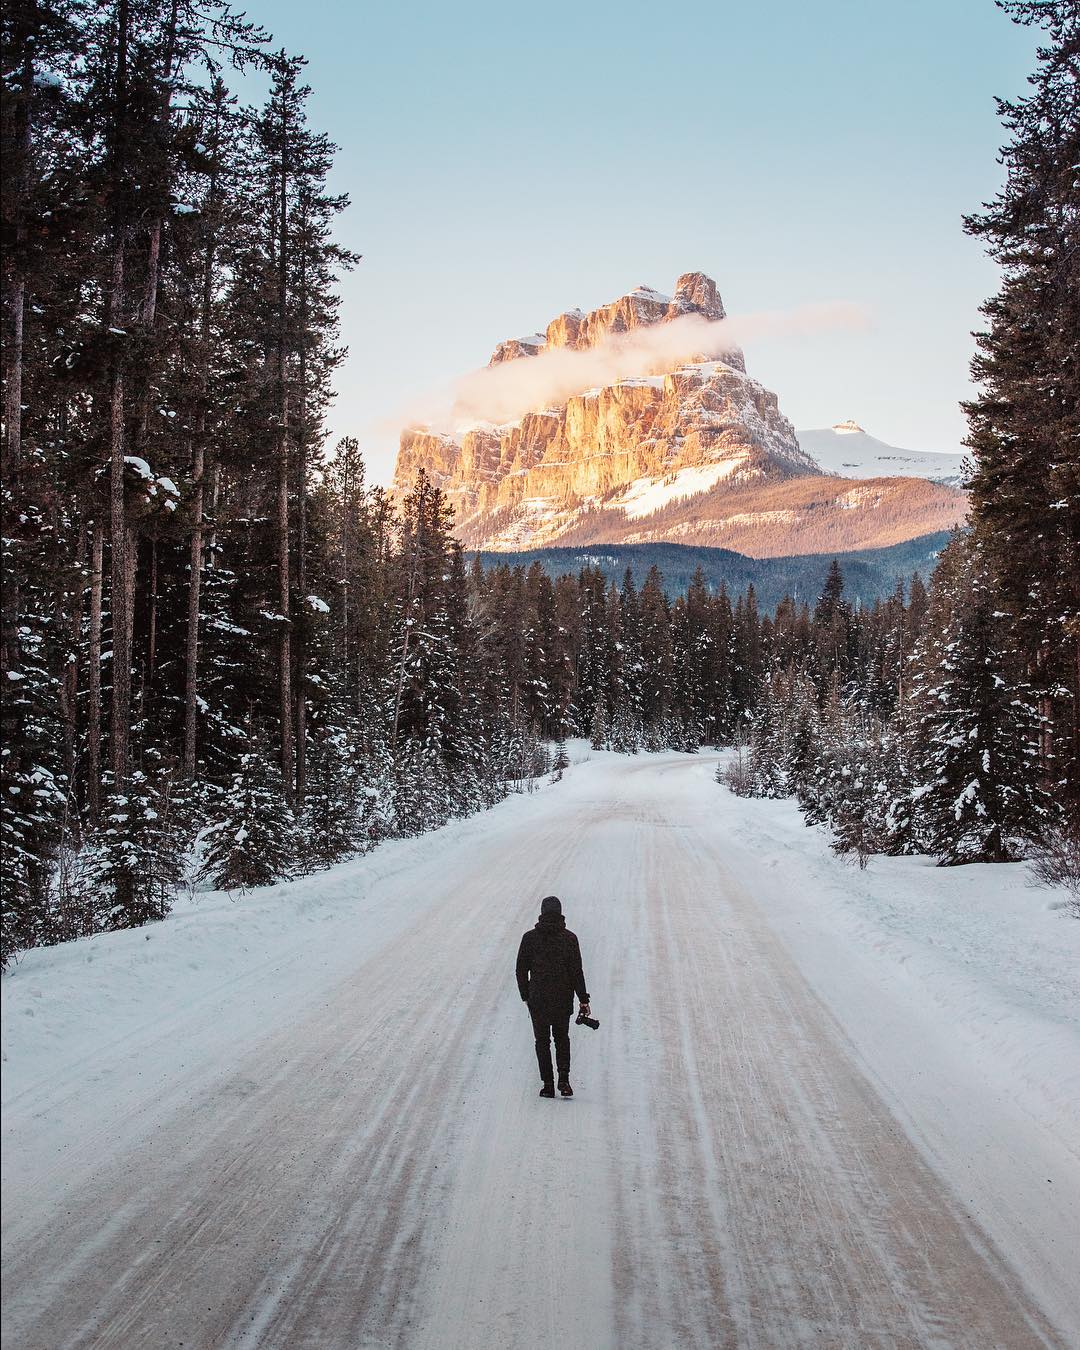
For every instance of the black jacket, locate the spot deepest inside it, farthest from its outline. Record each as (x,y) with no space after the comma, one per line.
(549,967)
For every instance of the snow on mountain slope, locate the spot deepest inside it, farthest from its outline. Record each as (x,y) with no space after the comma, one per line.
(644,496)
(824,1106)
(849,451)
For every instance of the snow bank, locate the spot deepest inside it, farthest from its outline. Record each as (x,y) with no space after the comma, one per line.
(995,957)
(959,991)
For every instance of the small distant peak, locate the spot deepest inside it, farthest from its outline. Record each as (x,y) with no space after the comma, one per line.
(848,428)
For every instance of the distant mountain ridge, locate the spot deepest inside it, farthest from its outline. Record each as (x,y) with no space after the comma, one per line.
(696,452)
(848,451)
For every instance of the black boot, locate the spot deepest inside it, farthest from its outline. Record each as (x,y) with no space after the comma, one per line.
(564,1087)
(547,1090)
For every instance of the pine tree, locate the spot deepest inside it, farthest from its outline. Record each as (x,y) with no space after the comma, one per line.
(978,733)
(1025,422)
(253,838)
(598,727)
(900,833)
(336,807)
(139,851)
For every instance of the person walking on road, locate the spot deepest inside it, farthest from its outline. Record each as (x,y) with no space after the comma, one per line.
(549,974)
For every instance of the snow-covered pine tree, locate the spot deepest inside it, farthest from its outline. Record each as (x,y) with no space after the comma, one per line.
(139,851)
(747,661)
(33,790)
(816,793)
(625,728)
(656,657)
(900,833)
(765,749)
(253,840)
(628,667)
(655,735)
(857,792)
(1025,419)
(599,738)
(802,733)
(335,807)
(979,797)
(833,628)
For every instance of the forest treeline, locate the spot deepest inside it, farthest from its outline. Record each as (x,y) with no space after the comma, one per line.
(221,649)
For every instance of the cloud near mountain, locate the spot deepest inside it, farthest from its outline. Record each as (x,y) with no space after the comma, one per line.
(506,390)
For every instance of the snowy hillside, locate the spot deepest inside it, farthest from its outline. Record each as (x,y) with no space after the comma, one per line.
(849,451)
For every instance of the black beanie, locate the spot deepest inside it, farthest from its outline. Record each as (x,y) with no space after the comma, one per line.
(551,904)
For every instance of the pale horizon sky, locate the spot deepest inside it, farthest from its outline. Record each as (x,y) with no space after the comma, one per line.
(506,164)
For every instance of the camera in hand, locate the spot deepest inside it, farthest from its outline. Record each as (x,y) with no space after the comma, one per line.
(584,1021)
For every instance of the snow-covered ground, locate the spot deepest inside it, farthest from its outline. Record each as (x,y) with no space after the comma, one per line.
(824,1107)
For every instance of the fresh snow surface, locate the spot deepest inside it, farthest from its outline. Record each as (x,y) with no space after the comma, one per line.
(824,1107)
(645,495)
(847,450)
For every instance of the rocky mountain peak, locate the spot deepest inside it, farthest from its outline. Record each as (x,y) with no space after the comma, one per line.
(695,293)
(692,450)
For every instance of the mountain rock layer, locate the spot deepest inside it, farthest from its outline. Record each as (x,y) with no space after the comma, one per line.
(697,453)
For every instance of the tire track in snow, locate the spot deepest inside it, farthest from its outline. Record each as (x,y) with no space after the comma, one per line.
(837,1233)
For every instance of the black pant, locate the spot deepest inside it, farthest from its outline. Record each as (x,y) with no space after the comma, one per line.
(550,1026)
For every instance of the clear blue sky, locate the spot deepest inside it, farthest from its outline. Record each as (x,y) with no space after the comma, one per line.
(507,162)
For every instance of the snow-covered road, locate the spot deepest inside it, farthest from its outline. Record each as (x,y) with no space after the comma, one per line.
(775,1142)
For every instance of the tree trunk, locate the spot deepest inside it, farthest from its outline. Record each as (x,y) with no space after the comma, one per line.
(13,372)
(301,552)
(17,157)
(119,596)
(285,644)
(198,460)
(69,686)
(153,272)
(191,655)
(151,638)
(215,492)
(93,731)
